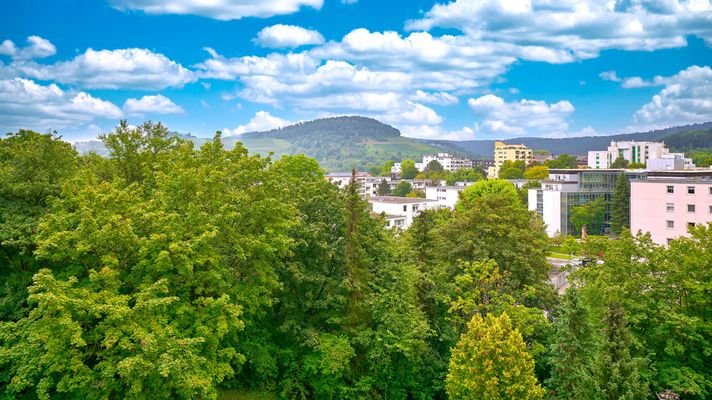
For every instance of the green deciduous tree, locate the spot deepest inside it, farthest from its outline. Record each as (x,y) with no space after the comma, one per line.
(538,172)
(402,189)
(620,162)
(491,362)
(464,175)
(408,170)
(562,161)
(592,215)
(620,205)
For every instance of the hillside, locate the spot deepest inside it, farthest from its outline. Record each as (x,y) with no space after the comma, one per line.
(339,143)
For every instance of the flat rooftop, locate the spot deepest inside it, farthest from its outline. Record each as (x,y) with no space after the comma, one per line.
(398,200)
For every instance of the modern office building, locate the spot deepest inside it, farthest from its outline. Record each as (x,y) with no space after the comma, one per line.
(509,152)
(568,188)
(666,203)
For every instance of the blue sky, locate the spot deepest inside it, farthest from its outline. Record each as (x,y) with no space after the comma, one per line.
(466,69)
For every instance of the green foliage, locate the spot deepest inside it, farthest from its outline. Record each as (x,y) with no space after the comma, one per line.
(416,194)
(33,168)
(491,362)
(620,162)
(486,188)
(592,215)
(570,246)
(572,351)
(384,188)
(701,158)
(617,371)
(402,189)
(465,175)
(620,205)
(408,170)
(434,166)
(538,172)
(512,169)
(660,291)
(561,161)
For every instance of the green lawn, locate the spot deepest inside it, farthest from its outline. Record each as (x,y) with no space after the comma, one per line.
(560,255)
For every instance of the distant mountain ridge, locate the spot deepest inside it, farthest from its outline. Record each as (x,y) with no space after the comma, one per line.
(341,143)
(576,145)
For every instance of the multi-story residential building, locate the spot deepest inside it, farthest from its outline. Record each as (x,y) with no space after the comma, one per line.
(447,160)
(568,188)
(342,179)
(446,196)
(668,202)
(509,152)
(400,206)
(635,152)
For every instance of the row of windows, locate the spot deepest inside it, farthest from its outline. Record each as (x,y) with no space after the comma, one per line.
(690,189)
(671,224)
(670,207)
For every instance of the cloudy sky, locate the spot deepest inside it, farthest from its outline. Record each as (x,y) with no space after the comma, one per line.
(451,70)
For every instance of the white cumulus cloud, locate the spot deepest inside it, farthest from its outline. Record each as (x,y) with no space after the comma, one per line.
(262,121)
(567,30)
(37,47)
(686,98)
(27,104)
(157,104)
(282,36)
(522,118)
(112,69)
(218,9)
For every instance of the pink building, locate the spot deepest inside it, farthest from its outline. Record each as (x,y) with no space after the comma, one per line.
(667,202)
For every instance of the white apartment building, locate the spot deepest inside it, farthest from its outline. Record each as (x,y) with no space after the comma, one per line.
(638,152)
(406,207)
(447,160)
(668,202)
(445,196)
(342,179)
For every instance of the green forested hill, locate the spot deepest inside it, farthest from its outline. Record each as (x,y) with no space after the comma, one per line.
(338,143)
(341,143)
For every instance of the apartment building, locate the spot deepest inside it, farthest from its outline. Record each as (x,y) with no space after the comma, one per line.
(668,202)
(509,152)
(406,207)
(342,179)
(568,188)
(637,152)
(445,196)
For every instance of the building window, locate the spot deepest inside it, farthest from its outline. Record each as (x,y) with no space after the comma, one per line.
(669,240)
(690,190)
(670,224)
(710,190)
(670,207)
(690,224)
(710,209)
(690,208)
(671,189)
(405,208)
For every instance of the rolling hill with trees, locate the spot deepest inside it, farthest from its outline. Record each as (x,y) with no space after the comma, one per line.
(342,143)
